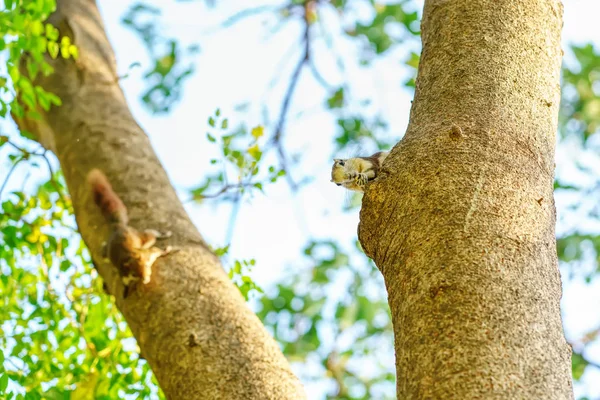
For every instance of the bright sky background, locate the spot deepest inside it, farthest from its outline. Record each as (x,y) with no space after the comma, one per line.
(237,64)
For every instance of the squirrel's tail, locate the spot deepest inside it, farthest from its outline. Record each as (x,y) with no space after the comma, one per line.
(106,199)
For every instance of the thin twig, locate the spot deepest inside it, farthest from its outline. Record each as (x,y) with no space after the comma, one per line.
(22,150)
(53,181)
(25,155)
(240,15)
(24,184)
(588,337)
(24,370)
(277,137)
(317,75)
(286,100)
(221,191)
(593,363)
(588,361)
(279,68)
(12,169)
(237,17)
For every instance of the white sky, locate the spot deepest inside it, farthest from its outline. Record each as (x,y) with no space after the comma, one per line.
(237,64)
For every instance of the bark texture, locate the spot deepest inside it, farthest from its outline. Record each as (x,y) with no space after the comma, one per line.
(461,219)
(191,322)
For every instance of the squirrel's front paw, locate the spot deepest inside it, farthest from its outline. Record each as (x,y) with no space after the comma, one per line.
(361,180)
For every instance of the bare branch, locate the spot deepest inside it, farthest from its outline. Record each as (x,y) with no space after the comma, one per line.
(22,150)
(221,191)
(277,137)
(10,172)
(25,155)
(317,75)
(249,12)
(592,363)
(287,99)
(53,181)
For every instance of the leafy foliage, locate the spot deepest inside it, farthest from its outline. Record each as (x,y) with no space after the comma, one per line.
(239,273)
(580,111)
(331,318)
(25,39)
(61,335)
(578,245)
(167,76)
(239,169)
(377,32)
(357,129)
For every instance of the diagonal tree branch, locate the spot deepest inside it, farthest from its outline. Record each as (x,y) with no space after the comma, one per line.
(191,323)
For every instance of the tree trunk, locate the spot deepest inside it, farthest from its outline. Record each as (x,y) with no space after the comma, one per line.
(461,220)
(190,321)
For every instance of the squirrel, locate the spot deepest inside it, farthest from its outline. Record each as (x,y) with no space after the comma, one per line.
(131,251)
(355,173)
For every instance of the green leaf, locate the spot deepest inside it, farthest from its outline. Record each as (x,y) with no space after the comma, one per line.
(336,100)
(74,52)
(52,33)
(579,364)
(255,152)
(53,49)
(14,74)
(37,28)
(413,60)
(3,383)
(221,251)
(32,68)
(257,132)
(54,99)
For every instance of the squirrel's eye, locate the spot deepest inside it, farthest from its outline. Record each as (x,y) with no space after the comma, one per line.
(341,162)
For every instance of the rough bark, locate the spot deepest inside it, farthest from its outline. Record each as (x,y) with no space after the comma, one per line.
(191,323)
(461,220)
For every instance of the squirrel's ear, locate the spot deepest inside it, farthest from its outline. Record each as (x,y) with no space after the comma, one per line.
(336,160)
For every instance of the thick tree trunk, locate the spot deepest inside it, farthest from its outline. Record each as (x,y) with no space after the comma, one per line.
(461,220)
(191,322)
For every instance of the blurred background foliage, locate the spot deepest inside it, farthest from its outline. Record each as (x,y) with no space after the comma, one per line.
(62,337)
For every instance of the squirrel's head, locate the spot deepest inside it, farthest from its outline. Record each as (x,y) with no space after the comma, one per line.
(338,172)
